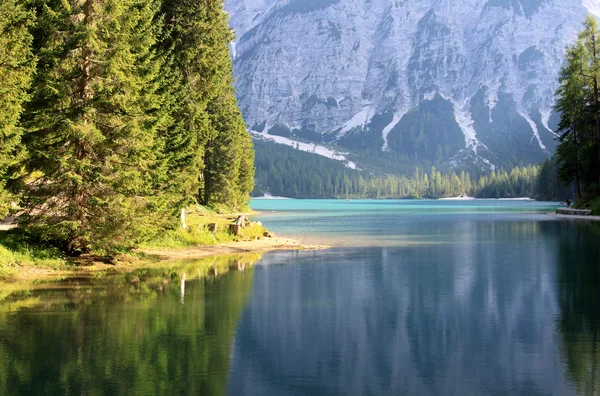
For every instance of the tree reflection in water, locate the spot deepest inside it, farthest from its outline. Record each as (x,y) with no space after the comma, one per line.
(157,330)
(579,299)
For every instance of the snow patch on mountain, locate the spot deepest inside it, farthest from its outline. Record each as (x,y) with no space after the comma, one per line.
(307,147)
(232,45)
(491,102)
(429,96)
(546,114)
(536,132)
(464,119)
(359,120)
(386,131)
(593,6)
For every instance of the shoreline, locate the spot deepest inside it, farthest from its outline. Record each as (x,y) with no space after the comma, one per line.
(90,266)
(257,245)
(575,217)
(86,267)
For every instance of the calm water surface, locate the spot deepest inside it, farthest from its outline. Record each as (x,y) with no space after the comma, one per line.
(416,298)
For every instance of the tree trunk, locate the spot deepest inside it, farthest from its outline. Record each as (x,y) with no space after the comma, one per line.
(206,187)
(597,113)
(86,54)
(577,175)
(596,99)
(79,194)
(183,223)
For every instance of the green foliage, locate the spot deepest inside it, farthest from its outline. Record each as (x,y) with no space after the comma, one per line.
(212,145)
(165,340)
(131,115)
(578,153)
(16,68)
(548,185)
(427,132)
(520,182)
(228,176)
(594,205)
(18,249)
(92,126)
(197,232)
(590,200)
(288,172)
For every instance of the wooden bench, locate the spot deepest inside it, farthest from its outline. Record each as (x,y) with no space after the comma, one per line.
(573,212)
(238,224)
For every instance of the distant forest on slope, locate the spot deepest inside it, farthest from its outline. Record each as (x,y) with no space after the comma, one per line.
(574,170)
(285,171)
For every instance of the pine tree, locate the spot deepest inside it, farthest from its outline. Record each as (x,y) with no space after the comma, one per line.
(183,44)
(591,71)
(579,106)
(571,104)
(16,68)
(212,143)
(92,124)
(246,172)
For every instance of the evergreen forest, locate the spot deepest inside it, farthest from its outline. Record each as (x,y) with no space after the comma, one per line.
(578,101)
(116,115)
(572,172)
(285,171)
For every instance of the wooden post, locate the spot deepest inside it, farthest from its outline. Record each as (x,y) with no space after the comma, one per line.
(242,221)
(182,288)
(183,225)
(212,227)
(234,229)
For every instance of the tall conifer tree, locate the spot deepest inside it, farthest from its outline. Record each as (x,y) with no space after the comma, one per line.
(229,158)
(189,44)
(578,101)
(212,145)
(16,68)
(93,122)
(573,96)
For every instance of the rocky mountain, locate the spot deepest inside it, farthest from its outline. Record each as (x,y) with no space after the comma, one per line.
(447,81)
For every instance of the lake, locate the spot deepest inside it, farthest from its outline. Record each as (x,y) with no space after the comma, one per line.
(414,297)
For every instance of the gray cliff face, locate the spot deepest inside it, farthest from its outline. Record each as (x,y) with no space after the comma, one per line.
(460,81)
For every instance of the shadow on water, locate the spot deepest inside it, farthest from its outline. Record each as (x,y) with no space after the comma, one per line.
(578,278)
(157,330)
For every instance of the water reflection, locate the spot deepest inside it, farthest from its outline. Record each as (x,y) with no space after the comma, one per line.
(154,331)
(579,298)
(474,306)
(473,315)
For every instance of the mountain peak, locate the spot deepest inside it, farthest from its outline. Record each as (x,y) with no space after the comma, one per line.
(416,78)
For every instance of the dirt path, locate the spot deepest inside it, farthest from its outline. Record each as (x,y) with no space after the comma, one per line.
(259,245)
(7,223)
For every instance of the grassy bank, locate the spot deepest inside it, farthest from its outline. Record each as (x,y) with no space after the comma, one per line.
(589,201)
(197,232)
(19,253)
(127,280)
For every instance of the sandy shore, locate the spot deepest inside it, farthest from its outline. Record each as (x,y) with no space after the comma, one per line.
(87,267)
(575,217)
(259,245)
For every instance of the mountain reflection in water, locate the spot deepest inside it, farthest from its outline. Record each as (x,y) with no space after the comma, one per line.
(476,304)
(506,308)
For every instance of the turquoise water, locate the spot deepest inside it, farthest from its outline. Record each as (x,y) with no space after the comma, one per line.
(414,298)
(390,222)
